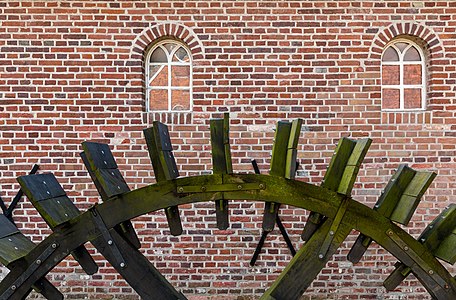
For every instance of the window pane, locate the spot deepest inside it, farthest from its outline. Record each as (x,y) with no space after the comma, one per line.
(170,47)
(390,75)
(390,54)
(412,98)
(181,55)
(412,74)
(180,75)
(180,100)
(160,77)
(158,56)
(401,46)
(412,54)
(390,99)
(158,100)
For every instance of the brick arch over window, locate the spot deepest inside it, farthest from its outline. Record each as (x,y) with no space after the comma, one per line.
(171,30)
(383,37)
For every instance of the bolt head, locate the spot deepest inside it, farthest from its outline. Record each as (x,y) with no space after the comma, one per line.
(406,248)
(320,256)
(38,261)
(122,265)
(331,232)
(109,242)
(13,287)
(180,189)
(54,245)
(239,187)
(261,186)
(431,272)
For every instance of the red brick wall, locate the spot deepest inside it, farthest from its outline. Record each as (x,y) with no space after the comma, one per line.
(72,71)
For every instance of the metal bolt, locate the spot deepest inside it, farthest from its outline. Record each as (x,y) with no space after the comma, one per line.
(109,242)
(431,272)
(406,248)
(118,187)
(331,232)
(122,265)
(239,187)
(102,152)
(38,261)
(112,173)
(13,287)
(261,186)
(203,188)
(423,240)
(393,179)
(376,206)
(54,245)
(104,161)
(180,189)
(47,192)
(320,256)
(44,182)
(446,286)
(390,232)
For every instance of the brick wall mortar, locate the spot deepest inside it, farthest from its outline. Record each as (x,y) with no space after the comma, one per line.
(72,71)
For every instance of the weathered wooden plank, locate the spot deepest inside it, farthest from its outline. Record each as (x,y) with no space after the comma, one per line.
(393,191)
(411,197)
(14,246)
(142,276)
(97,175)
(278,168)
(385,205)
(306,264)
(101,164)
(55,211)
(221,162)
(331,181)
(160,151)
(338,163)
(293,141)
(432,238)
(280,148)
(353,164)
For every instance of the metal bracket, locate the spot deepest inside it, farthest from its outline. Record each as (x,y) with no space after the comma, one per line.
(226,187)
(30,270)
(118,258)
(418,261)
(333,228)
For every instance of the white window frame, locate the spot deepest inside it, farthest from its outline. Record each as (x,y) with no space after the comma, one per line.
(168,65)
(401,63)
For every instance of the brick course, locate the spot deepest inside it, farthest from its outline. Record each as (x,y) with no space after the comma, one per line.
(73,70)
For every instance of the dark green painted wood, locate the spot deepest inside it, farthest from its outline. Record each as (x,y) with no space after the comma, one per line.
(160,151)
(340,176)
(432,238)
(398,202)
(221,161)
(280,149)
(125,229)
(292,151)
(306,264)
(159,196)
(55,211)
(278,168)
(100,162)
(411,197)
(339,161)
(353,164)
(13,246)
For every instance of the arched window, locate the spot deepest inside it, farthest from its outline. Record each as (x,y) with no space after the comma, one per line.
(403,76)
(169,77)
